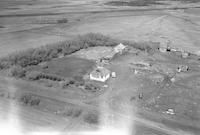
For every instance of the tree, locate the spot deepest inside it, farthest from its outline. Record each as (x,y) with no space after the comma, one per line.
(33,75)
(17,71)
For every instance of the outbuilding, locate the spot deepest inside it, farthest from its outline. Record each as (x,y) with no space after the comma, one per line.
(113,75)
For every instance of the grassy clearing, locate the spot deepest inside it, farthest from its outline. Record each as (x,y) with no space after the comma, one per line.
(65,67)
(94,53)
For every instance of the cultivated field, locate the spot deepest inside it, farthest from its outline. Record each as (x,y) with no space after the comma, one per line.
(33,24)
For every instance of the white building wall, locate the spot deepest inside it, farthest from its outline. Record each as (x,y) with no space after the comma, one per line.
(119,48)
(101,79)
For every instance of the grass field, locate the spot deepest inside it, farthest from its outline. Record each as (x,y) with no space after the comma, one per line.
(35,25)
(94,53)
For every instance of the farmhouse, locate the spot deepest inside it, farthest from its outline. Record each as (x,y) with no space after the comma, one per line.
(119,48)
(100,74)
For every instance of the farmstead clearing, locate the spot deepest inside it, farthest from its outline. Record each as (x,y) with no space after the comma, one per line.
(94,67)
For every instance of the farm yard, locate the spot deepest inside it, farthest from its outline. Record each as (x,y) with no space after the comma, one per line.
(100,66)
(147,94)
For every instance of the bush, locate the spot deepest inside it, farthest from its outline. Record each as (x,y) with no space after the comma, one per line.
(68,113)
(77,113)
(30,99)
(25,99)
(33,75)
(65,83)
(73,112)
(79,80)
(88,87)
(91,87)
(35,102)
(91,118)
(63,20)
(17,71)
(71,81)
(49,84)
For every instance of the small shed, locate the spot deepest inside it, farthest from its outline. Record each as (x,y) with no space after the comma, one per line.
(113,75)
